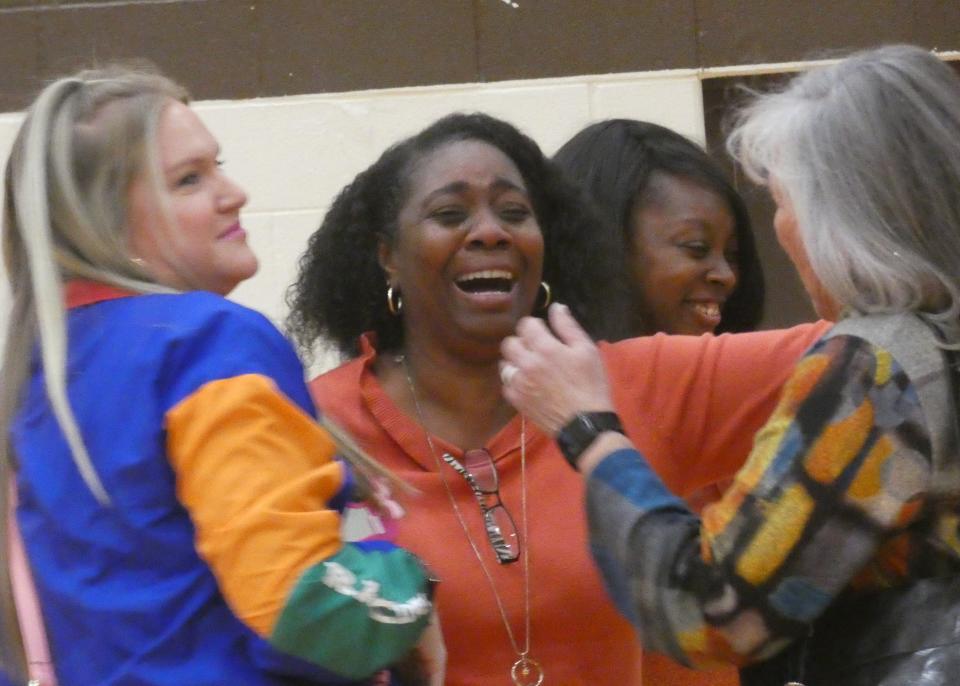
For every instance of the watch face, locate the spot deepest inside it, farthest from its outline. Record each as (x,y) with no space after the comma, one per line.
(581,431)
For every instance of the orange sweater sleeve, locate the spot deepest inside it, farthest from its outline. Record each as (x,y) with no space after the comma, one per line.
(692,404)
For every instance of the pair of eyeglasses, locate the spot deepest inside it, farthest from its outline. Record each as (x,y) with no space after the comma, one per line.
(481,474)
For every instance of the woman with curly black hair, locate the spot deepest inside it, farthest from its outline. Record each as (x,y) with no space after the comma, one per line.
(340,293)
(686,230)
(423,264)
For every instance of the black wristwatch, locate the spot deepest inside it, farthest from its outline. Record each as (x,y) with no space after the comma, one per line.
(581,431)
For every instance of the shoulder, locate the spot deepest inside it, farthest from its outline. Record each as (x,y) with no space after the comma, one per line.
(900,354)
(843,357)
(885,343)
(201,337)
(188,314)
(842,375)
(339,394)
(203,328)
(345,382)
(344,378)
(909,339)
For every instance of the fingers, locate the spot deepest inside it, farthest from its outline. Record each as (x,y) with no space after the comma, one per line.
(565,326)
(507,372)
(517,359)
(550,375)
(515,353)
(534,333)
(534,342)
(531,335)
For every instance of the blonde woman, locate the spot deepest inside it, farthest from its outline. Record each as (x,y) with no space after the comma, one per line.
(177,499)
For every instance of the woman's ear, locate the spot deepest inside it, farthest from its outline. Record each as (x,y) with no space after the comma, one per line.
(385,258)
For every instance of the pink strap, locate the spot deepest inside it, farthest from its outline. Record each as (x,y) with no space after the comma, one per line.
(28,608)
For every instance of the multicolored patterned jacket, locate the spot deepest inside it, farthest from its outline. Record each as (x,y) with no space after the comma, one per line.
(219,558)
(834,497)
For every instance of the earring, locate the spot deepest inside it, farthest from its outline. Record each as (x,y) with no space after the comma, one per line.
(395,305)
(547,295)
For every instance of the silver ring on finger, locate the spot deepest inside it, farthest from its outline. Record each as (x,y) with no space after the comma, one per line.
(507,372)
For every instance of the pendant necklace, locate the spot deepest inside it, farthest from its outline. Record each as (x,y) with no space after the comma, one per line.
(525,671)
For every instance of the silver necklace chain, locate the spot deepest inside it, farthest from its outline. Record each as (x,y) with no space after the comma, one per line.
(525,671)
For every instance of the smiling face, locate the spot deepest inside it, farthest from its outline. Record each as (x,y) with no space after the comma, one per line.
(468,254)
(685,256)
(204,248)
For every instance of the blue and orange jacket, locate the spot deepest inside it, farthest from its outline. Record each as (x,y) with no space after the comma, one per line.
(219,558)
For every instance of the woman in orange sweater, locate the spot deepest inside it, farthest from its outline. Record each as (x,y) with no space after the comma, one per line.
(421,267)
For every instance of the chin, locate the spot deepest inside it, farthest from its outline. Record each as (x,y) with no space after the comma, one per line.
(247,271)
(491,334)
(227,286)
(685,330)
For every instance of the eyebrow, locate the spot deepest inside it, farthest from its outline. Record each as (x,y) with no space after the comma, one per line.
(456,187)
(702,223)
(191,161)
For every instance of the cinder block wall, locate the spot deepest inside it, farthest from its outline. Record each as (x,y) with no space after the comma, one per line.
(294,153)
(293,150)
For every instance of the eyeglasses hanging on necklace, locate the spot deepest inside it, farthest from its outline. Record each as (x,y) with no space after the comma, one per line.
(480,473)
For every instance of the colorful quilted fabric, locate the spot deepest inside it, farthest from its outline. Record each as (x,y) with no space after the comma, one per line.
(831,498)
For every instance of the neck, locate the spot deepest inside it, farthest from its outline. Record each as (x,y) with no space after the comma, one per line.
(460,400)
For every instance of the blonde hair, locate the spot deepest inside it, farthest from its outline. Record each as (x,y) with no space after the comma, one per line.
(83,141)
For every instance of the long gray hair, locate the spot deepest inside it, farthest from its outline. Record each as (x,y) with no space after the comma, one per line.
(868,153)
(83,141)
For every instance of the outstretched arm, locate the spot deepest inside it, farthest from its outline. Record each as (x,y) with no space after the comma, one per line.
(843,464)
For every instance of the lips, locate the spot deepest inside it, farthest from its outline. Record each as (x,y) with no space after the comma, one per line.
(707,314)
(492,281)
(708,310)
(234,231)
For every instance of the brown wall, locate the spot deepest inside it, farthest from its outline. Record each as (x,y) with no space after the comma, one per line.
(247,48)
(237,49)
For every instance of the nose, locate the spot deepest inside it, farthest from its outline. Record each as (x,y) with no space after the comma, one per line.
(232,197)
(488,232)
(722,273)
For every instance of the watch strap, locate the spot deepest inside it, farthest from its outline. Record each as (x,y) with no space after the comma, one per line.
(577,435)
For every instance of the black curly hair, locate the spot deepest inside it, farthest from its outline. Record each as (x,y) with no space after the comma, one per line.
(340,288)
(613,161)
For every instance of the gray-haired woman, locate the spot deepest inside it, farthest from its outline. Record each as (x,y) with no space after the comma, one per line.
(834,557)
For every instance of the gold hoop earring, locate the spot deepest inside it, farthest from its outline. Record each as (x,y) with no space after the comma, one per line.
(547,295)
(395,305)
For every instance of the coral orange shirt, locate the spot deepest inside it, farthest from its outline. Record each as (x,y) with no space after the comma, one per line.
(692,404)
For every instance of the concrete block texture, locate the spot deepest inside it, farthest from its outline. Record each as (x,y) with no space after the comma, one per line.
(671,99)
(293,154)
